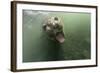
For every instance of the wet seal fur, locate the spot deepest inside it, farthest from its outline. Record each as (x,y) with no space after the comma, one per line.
(54,29)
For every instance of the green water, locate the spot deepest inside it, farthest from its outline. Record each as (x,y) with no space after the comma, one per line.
(37,47)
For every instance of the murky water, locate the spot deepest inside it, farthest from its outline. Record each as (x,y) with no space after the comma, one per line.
(37,47)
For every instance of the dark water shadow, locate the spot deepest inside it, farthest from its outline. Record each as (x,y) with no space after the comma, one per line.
(53,50)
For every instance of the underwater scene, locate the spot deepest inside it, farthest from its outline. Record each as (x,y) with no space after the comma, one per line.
(73,42)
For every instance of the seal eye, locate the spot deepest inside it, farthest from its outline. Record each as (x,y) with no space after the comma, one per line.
(56,18)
